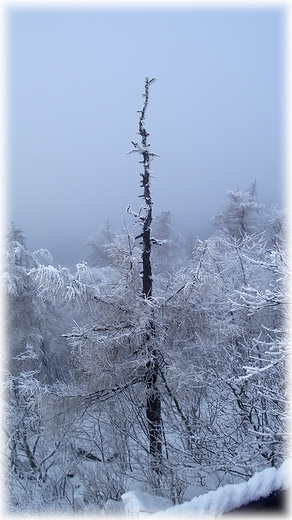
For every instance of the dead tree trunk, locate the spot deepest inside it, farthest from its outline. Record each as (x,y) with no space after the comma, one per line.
(153,400)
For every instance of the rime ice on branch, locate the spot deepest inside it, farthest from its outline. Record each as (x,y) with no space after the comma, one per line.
(153,399)
(145,212)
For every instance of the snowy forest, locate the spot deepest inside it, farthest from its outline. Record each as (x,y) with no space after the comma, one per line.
(159,365)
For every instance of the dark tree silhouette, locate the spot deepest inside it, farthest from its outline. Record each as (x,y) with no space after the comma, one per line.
(153,400)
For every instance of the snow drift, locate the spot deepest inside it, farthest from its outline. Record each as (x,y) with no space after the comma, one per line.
(214,503)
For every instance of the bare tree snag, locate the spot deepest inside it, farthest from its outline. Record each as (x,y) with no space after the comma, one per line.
(153,400)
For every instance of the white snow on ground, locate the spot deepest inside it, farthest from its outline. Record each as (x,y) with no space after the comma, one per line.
(214,503)
(137,501)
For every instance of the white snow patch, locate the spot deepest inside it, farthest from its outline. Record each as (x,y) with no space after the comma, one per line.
(114,507)
(214,503)
(136,501)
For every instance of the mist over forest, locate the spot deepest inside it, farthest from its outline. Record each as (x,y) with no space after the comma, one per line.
(75,79)
(146,280)
(156,371)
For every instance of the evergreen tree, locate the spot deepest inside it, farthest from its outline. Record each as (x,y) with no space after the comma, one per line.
(98,256)
(34,326)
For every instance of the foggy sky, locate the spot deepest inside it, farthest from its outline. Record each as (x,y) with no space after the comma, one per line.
(75,83)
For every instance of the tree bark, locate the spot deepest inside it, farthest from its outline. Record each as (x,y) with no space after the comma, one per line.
(153,400)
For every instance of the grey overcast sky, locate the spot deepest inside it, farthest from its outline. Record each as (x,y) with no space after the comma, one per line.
(75,83)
